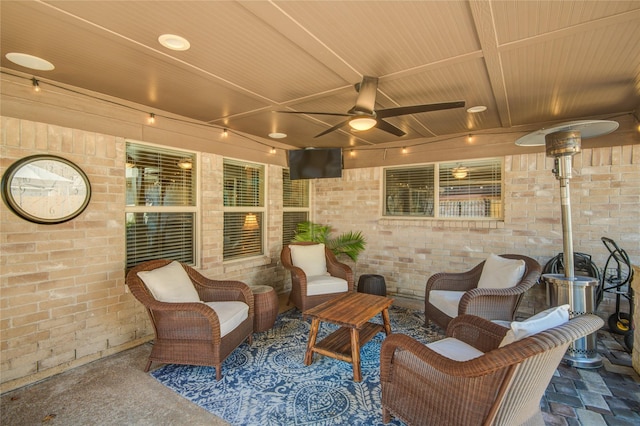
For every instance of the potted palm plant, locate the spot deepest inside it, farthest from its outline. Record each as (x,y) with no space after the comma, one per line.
(349,243)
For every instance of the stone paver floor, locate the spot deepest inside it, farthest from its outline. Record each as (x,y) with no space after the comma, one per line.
(609,395)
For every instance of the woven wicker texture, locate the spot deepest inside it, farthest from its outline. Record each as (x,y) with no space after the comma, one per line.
(298,295)
(265,302)
(502,387)
(189,333)
(489,303)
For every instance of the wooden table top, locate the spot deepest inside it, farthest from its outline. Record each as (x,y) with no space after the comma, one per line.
(350,309)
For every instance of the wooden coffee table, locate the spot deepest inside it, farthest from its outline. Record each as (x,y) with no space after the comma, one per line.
(351,311)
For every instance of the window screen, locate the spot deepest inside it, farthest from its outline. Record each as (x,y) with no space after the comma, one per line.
(160,204)
(243,209)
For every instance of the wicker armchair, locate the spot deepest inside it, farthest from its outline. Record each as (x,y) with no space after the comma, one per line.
(299,289)
(502,387)
(489,303)
(189,333)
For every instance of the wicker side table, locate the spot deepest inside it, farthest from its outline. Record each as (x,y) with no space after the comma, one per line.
(265,303)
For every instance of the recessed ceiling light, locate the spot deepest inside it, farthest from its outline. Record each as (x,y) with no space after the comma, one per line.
(174,42)
(277,135)
(476,109)
(29,61)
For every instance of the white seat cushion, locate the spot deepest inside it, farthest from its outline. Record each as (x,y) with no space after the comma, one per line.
(230,314)
(170,283)
(541,321)
(310,258)
(499,272)
(446,300)
(455,349)
(324,284)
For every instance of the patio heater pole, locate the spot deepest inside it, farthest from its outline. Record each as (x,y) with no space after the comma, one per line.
(578,292)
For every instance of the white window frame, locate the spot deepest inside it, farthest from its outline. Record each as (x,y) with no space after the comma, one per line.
(247,209)
(192,209)
(497,205)
(286,209)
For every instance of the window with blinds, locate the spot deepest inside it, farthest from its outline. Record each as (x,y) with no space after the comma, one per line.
(469,189)
(295,203)
(409,191)
(161,205)
(244,209)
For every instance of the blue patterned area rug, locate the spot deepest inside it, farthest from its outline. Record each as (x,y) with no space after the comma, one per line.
(267,383)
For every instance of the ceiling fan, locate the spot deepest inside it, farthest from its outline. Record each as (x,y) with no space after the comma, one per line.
(364,116)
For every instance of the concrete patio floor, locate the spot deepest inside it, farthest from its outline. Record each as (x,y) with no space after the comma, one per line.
(116,391)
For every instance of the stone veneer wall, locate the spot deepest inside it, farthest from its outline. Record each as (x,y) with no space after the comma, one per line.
(605,196)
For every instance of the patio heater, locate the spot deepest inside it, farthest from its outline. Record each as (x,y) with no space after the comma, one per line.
(562,143)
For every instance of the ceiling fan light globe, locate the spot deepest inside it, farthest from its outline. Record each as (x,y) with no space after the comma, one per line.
(362,123)
(460,172)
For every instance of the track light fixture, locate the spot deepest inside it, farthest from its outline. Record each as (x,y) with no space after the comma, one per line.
(225,133)
(272,150)
(404,149)
(152,118)
(36,84)
(469,138)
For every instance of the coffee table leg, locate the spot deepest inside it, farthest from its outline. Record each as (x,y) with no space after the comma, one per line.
(355,355)
(311,343)
(386,322)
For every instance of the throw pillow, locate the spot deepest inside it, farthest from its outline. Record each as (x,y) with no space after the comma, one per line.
(499,272)
(541,321)
(170,283)
(310,258)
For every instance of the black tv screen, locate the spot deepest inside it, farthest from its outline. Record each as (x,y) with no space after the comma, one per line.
(315,163)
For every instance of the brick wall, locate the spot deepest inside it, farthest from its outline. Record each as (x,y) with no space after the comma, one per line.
(605,197)
(63,297)
(63,300)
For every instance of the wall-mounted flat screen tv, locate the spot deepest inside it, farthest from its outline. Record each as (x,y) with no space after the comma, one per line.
(315,163)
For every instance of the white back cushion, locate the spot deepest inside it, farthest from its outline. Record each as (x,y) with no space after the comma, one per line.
(541,321)
(499,272)
(170,283)
(230,314)
(455,349)
(310,258)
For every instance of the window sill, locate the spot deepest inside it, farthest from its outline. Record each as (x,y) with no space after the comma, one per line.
(439,222)
(257,260)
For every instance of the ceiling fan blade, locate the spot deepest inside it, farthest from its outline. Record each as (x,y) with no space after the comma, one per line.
(388,127)
(336,127)
(339,114)
(366,100)
(415,109)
